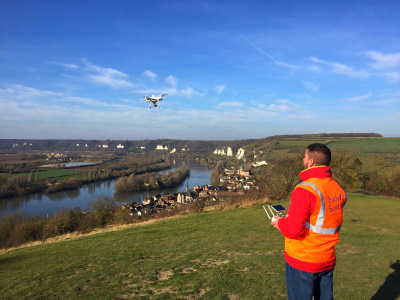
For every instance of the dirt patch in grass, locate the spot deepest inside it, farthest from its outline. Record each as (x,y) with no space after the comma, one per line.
(164,275)
(188,270)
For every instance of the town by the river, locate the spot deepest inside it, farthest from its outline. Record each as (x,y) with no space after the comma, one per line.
(43,204)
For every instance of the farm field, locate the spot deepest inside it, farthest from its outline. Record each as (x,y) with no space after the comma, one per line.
(366,145)
(50,173)
(371,145)
(230,254)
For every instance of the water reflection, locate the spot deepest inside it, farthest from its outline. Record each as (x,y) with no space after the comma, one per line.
(43,204)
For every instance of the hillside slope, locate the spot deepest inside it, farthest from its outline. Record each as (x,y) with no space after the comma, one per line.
(232,254)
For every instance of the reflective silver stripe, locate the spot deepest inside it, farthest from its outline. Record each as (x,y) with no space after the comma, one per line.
(321,214)
(323,230)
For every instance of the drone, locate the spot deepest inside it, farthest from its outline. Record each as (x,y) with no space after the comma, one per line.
(155,100)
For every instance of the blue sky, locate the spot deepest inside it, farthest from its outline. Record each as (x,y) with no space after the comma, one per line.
(231,69)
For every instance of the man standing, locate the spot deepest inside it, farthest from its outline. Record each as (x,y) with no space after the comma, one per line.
(311,228)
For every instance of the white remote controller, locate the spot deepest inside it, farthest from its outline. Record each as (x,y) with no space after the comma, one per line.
(274,209)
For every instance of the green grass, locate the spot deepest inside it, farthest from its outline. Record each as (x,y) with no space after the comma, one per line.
(213,255)
(366,145)
(376,145)
(115,162)
(50,173)
(302,142)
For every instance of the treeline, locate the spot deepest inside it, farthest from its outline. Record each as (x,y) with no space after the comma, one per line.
(20,162)
(19,186)
(17,229)
(150,181)
(378,176)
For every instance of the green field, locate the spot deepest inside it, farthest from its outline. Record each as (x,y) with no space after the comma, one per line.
(302,142)
(232,254)
(366,145)
(50,173)
(372,145)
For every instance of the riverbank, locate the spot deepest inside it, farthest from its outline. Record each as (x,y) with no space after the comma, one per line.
(44,204)
(58,180)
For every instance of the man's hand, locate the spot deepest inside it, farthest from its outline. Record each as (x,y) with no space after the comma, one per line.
(275,223)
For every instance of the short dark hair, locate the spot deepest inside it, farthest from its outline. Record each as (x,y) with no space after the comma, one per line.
(320,153)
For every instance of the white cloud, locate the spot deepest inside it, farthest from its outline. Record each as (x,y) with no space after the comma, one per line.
(349,71)
(311,86)
(188,92)
(359,98)
(107,76)
(382,60)
(68,66)
(219,88)
(316,60)
(314,68)
(18,91)
(86,101)
(283,106)
(149,91)
(150,74)
(386,102)
(231,104)
(172,80)
(393,76)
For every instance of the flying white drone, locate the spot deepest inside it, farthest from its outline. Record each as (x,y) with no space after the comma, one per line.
(155,100)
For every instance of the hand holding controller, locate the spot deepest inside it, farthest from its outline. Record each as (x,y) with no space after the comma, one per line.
(275,212)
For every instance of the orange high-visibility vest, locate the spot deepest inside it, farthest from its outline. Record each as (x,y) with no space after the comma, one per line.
(317,245)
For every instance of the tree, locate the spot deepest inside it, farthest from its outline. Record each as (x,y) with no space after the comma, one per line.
(103,209)
(30,177)
(280,180)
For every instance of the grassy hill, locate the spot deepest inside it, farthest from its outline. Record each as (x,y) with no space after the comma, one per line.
(232,254)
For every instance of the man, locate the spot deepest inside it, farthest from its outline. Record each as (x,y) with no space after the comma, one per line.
(311,228)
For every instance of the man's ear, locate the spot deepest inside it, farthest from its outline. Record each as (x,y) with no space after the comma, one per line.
(312,163)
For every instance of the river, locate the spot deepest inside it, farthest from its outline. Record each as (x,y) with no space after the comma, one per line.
(42,204)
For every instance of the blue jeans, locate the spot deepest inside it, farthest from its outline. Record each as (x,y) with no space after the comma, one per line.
(303,285)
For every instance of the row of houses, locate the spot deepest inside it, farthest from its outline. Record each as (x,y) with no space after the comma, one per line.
(160,202)
(235,179)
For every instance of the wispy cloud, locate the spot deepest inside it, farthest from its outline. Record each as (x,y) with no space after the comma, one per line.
(283,106)
(189,92)
(18,91)
(230,104)
(382,60)
(311,86)
(106,76)
(219,88)
(172,80)
(67,66)
(150,74)
(340,68)
(277,62)
(359,98)
(87,101)
(393,76)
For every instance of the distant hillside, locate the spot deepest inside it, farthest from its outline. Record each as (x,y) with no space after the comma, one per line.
(160,146)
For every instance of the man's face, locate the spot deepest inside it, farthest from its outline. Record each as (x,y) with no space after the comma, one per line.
(307,161)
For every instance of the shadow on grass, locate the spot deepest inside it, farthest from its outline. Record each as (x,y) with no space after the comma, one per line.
(390,289)
(9,260)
